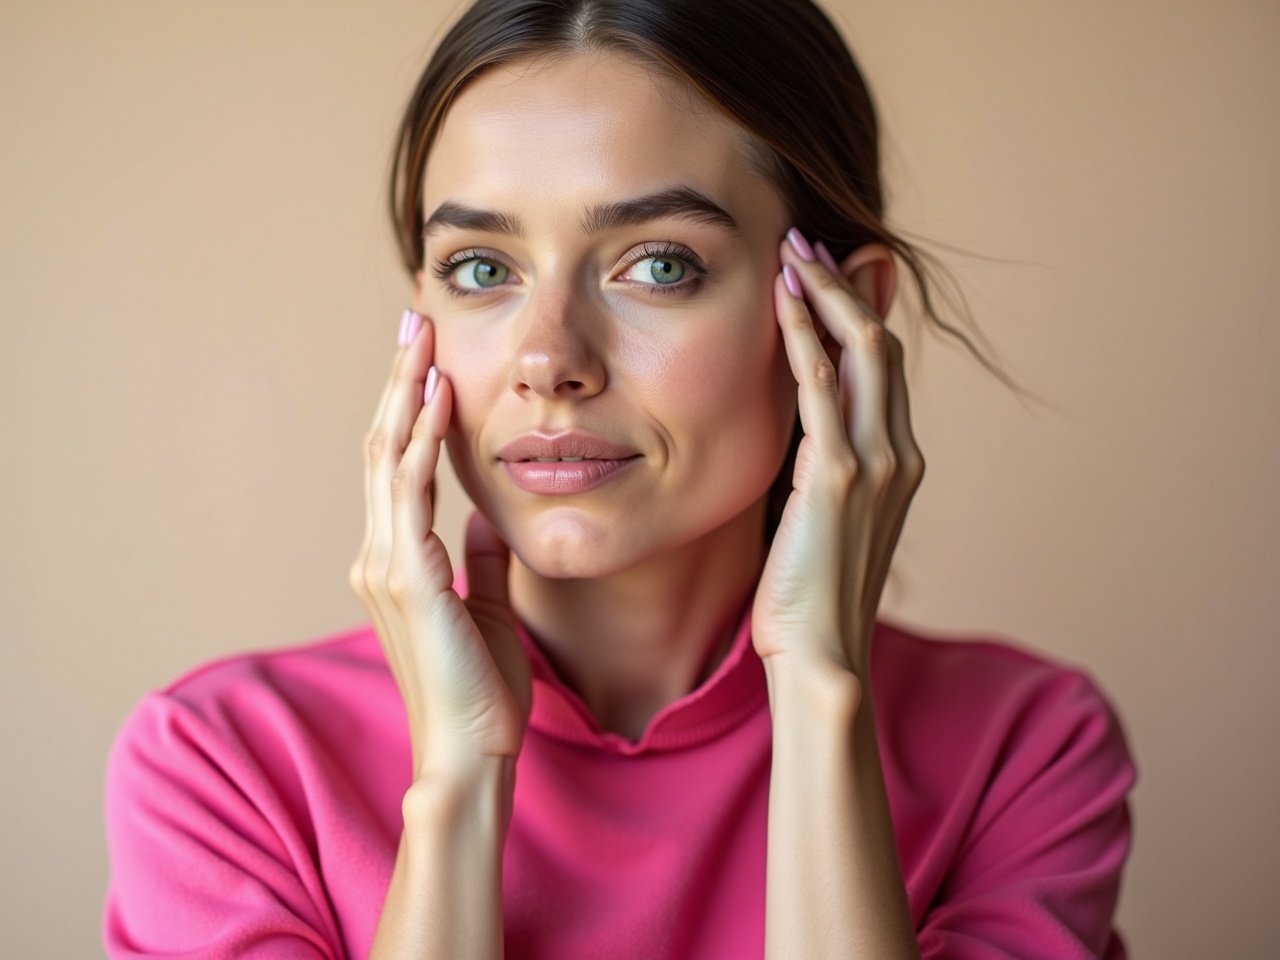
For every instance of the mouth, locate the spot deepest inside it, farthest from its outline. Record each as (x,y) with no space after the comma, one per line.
(571,446)
(575,459)
(565,476)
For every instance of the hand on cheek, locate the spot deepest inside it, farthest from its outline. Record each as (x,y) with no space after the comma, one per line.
(857,469)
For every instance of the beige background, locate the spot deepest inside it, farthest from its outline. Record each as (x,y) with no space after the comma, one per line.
(200,301)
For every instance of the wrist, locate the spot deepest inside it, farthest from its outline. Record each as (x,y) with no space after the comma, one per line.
(479,793)
(805,684)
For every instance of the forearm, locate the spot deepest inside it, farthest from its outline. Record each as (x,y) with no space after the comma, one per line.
(834,885)
(445,895)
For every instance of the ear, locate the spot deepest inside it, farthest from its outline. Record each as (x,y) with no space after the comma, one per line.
(873,273)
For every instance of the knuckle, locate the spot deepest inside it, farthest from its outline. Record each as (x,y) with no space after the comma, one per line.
(376,445)
(827,281)
(882,466)
(398,586)
(799,318)
(355,578)
(913,467)
(402,483)
(873,335)
(824,374)
(844,472)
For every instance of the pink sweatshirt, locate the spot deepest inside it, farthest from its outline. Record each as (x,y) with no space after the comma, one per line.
(253,808)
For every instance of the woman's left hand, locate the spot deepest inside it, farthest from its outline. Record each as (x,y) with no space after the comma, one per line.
(857,469)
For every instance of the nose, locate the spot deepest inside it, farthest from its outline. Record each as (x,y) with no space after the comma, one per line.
(557,357)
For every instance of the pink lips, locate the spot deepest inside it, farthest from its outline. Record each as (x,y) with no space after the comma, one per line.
(603,459)
(570,443)
(564,478)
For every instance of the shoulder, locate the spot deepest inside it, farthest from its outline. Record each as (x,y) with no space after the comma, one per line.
(217,799)
(233,714)
(1008,772)
(983,717)
(979,676)
(296,670)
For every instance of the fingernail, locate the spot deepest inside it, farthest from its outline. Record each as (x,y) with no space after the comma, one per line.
(432,379)
(825,256)
(415,324)
(800,244)
(792,280)
(404,324)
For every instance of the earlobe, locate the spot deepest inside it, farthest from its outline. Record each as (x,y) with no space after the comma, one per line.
(873,273)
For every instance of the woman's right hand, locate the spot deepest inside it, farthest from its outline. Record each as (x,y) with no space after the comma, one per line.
(460,667)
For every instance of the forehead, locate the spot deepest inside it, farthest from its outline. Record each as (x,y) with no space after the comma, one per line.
(585,127)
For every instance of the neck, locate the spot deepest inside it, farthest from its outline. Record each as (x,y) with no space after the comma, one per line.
(630,643)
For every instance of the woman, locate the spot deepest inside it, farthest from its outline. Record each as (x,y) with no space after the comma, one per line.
(654,713)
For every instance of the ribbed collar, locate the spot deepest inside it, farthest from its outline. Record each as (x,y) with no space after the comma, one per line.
(736,689)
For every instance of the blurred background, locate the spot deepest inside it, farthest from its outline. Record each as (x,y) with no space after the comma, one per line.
(200,297)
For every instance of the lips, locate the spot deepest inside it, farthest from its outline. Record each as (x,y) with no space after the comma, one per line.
(572,443)
(559,479)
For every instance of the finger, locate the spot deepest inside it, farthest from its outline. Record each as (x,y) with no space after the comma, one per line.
(910,462)
(863,339)
(373,427)
(403,396)
(905,447)
(368,570)
(368,574)
(396,360)
(375,476)
(899,414)
(403,401)
(815,374)
(412,515)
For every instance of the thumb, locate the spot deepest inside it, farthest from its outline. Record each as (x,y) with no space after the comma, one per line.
(488,559)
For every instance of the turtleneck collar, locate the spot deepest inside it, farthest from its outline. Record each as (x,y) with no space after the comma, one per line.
(735,689)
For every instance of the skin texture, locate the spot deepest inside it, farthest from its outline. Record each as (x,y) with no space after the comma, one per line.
(632,588)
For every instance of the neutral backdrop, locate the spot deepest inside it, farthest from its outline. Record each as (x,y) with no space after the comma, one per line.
(200,299)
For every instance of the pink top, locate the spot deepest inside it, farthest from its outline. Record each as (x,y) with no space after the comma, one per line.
(253,808)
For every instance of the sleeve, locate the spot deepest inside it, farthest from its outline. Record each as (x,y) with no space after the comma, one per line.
(1038,873)
(197,869)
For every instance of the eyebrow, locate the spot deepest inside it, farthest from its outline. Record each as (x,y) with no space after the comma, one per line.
(681,202)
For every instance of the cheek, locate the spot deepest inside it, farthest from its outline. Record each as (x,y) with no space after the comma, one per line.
(462,358)
(733,383)
(457,349)
(727,347)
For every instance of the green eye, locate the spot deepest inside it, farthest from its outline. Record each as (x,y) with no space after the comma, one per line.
(665,270)
(485,273)
(658,270)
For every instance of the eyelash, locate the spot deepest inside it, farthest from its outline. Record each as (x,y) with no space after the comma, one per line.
(443,269)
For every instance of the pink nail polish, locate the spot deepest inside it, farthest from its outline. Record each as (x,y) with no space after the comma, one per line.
(792,280)
(824,255)
(404,323)
(800,245)
(415,324)
(432,379)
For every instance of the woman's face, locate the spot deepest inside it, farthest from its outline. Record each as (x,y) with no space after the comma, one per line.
(654,330)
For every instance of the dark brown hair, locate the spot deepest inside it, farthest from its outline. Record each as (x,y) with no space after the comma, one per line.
(779,68)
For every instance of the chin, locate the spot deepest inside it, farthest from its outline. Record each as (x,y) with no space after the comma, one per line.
(572,550)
